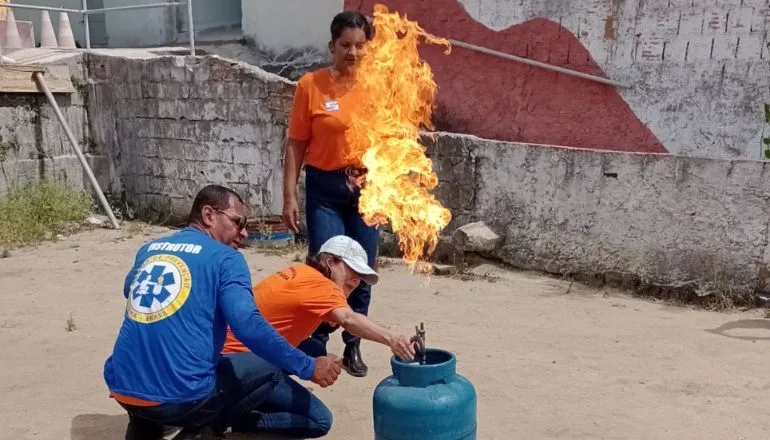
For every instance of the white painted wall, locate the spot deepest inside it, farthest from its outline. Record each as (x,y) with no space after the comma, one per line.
(208,14)
(281,25)
(700,80)
(140,27)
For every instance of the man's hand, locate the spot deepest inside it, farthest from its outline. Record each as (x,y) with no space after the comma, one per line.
(327,368)
(402,346)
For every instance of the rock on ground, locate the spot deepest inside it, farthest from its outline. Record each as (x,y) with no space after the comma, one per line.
(475,237)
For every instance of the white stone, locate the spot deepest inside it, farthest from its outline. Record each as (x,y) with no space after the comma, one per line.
(476,237)
(96,220)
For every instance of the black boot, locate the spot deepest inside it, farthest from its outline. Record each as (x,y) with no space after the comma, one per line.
(143,429)
(352,361)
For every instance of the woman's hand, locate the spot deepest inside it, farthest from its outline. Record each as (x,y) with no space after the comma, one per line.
(291,213)
(402,347)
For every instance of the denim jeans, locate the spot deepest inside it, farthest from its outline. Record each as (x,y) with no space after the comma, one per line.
(313,347)
(331,207)
(242,384)
(290,409)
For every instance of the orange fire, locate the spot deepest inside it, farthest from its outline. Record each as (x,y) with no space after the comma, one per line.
(400,92)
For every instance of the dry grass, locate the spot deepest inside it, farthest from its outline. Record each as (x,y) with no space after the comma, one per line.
(297,248)
(38,211)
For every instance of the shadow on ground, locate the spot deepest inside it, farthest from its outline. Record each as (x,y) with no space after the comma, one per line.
(744,324)
(254,437)
(108,427)
(101,426)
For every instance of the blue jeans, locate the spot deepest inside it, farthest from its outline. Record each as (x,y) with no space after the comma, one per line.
(331,208)
(290,409)
(241,385)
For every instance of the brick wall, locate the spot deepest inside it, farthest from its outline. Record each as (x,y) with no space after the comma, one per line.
(175,124)
(34,146)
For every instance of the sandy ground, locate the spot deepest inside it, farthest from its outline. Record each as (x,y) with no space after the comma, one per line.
(547,362)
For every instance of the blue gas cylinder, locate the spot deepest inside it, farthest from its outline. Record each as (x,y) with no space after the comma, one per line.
(427,401)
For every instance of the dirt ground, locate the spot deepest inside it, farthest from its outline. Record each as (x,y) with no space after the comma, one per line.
(547,361)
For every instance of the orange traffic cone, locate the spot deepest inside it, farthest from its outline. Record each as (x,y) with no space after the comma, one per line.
(47,35)
(66,39)
(12,39)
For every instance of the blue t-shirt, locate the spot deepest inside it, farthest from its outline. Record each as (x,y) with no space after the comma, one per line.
(182,292)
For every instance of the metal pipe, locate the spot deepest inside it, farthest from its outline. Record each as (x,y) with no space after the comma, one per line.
(190,28)
(127,8)
(74,143)
(539,64)
(546,66)
(86,24)
(39,8)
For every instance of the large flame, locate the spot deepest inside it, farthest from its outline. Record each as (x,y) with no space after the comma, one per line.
(400,93)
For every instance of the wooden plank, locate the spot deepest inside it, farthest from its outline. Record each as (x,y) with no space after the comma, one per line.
(18,78)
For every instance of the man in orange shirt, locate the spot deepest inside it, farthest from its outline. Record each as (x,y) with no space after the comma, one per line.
(295,301)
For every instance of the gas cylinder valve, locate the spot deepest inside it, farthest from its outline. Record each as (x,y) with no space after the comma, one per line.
(419,343)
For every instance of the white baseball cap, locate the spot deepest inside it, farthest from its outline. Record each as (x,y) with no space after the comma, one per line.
(353,255)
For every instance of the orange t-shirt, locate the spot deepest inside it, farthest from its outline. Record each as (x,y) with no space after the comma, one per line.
(321,115)
(294,301)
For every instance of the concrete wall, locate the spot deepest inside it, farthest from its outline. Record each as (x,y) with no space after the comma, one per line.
(674,223)
(34,146)
(698,71)
(290,36)
(161,128)
(163,26)
(141,27)
(175,124)
(280,25)
(213,15)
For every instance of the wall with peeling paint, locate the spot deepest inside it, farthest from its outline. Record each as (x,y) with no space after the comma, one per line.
(697,70)
(664,224)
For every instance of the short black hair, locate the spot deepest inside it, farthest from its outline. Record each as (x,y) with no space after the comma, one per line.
(216,196)
(350,19)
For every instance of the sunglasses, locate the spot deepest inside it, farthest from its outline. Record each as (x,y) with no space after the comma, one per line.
(239,221)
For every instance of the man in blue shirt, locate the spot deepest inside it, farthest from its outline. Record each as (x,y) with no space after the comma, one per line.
(182,292)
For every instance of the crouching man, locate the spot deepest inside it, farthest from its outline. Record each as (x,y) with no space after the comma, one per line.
(183,292)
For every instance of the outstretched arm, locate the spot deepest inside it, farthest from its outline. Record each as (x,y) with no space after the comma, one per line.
(364,328)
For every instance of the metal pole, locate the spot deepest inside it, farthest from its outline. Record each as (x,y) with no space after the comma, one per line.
(74,143)
(539,64)
(40,8)
(128,8)
(507,56)
(190,28)
(87,24)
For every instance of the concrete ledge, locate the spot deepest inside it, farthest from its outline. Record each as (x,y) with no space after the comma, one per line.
(670,225)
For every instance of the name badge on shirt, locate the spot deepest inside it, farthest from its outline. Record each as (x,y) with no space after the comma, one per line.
(332,106)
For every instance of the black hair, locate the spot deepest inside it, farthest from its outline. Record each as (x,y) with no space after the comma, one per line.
(351,19)
(216,196)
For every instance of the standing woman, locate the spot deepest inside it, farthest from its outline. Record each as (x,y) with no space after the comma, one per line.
(320,117)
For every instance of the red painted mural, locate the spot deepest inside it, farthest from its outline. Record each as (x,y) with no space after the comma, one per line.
(495,98)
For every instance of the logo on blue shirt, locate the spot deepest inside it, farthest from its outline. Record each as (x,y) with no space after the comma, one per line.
(160,288)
